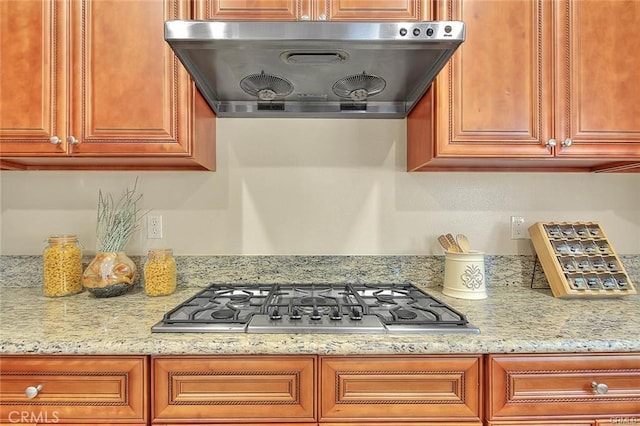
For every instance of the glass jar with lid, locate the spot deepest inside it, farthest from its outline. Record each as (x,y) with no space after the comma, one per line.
(62,266)
(160,272)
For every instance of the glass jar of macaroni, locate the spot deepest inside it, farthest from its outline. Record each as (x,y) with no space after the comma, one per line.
(160,273)
(62,266)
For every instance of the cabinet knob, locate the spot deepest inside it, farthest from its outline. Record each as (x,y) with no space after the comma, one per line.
(32,391)
(322,17)
(551,143)
(72,140)
(567,142)
(599,388)
(305,18)
(55,140)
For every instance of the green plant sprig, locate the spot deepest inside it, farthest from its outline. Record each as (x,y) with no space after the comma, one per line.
(117,222)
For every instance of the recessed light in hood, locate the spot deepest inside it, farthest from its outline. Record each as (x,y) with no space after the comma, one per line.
(314,57)
(313,69)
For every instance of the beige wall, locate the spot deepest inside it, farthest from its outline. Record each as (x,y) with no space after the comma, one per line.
(292,186)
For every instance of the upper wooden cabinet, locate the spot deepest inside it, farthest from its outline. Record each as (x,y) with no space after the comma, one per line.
(315,10)
(537,85)
(265,10)
(92,84)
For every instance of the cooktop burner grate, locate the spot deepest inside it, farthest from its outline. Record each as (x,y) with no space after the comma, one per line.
(313,308)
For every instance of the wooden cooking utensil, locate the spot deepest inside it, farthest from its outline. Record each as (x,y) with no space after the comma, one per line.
(463,243)
(444,242)
(453,245)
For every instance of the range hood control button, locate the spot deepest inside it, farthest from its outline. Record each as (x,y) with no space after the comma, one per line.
(429,32)
(403,32)
(416,32)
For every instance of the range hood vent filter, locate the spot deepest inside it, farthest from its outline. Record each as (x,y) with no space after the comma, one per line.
(266,87)
(359,87)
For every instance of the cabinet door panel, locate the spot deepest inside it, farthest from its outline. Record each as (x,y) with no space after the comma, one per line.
(598,79)
(493,101)
(277,10)
(387,10)
(498,103)
(74,389)
(521,386)
(226,389)
(32,76)
(400,389)
(126,93)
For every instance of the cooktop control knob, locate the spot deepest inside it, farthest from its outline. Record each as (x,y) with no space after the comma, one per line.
(336,315)
(275,314)
(315,315)
(295,314)
(355,314)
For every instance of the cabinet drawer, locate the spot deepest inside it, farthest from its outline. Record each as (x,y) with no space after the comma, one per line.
(74,389)
(420,388)
(226,388)
(521,386)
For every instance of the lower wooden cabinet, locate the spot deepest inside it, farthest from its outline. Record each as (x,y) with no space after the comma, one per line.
(220,389)
(329,390)
(564,389)
(401,388)
(74,389)
(305,390)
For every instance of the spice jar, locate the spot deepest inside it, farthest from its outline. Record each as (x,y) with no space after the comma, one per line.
(62,266)
(160,273)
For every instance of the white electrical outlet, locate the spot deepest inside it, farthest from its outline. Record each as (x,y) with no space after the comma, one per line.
(518,229)
(154,226)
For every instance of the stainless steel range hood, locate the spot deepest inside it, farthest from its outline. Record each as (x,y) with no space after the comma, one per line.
(313,69)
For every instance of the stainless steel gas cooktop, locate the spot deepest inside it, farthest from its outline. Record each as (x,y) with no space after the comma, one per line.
(313,308)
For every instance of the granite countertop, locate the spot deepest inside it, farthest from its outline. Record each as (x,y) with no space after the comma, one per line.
(511,319)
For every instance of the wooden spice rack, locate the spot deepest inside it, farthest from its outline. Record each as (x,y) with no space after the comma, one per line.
(579,261)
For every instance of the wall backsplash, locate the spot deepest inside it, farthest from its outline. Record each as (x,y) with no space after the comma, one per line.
(199,271)
(317,187)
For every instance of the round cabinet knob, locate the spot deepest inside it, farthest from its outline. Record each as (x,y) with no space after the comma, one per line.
(32,391)
(305,18)
(599,388)
(551,143)
(72,140)
(55,140)
(322,17)
(567,142)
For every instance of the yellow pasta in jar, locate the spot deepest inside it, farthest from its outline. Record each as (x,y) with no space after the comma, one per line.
(160,273)
(62,266)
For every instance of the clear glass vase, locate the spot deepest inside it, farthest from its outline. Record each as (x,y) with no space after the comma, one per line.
(109,274)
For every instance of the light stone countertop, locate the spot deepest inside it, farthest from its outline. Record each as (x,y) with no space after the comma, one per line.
(511,319)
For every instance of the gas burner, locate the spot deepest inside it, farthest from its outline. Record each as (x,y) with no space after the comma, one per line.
(403,314)
(224,314)
(240,298)
(316,300)
(387,299)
